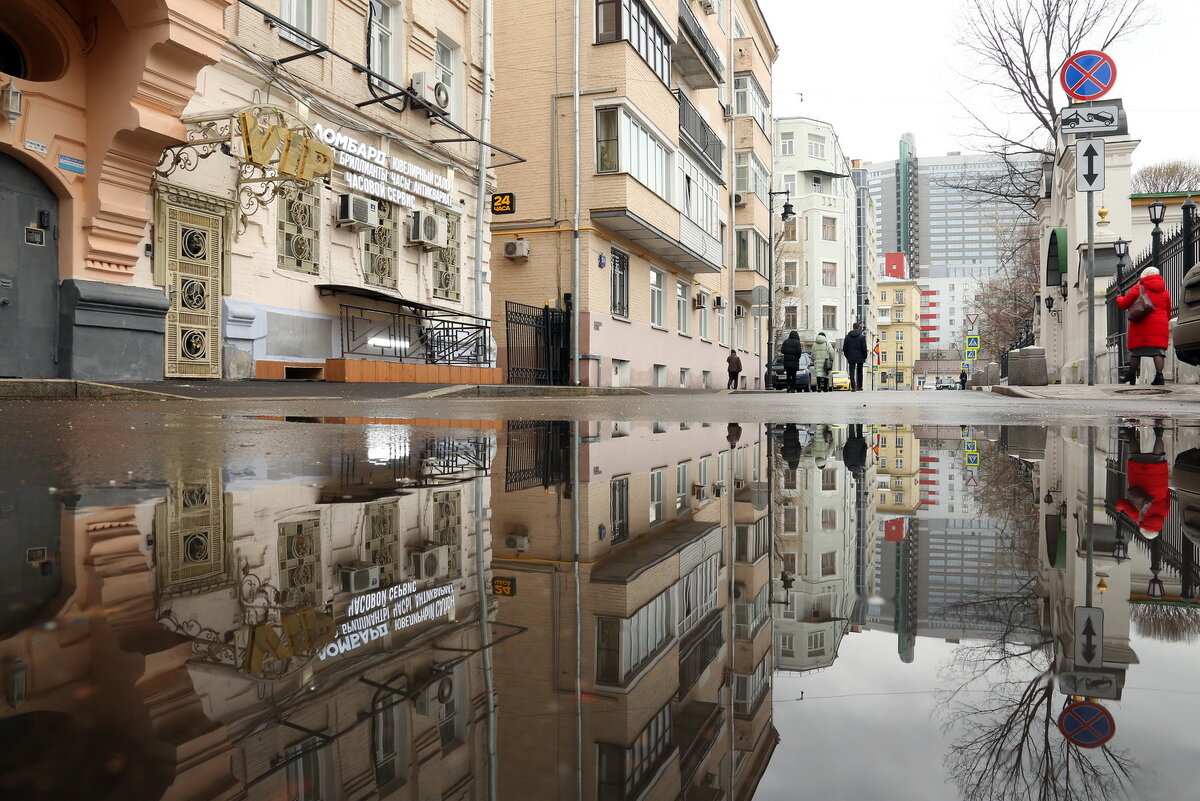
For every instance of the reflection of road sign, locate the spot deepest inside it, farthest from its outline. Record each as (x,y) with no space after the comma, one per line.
(874,368)
(1088,75)
(966,366)
(971,355)
(972,319)
(1089,165)
(1091,684)
(504,203)
(971,482)
(504,585)
(1087,724)
(1098,119)
(1089,637)
(759,296)
(965,432)
(972,342)
(760,311)
(971,446)
(972,460)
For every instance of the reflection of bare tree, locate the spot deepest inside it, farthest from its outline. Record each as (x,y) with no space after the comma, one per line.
(998,692)
(1166,623)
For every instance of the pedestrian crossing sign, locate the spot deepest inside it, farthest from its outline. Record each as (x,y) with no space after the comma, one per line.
(966,366)
(972,342)
(972,354)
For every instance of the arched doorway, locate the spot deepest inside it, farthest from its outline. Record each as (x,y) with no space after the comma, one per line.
(28,273)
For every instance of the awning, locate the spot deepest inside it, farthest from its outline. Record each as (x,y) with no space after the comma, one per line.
(652,240)
(1056,257)
(378,294)
(827,173)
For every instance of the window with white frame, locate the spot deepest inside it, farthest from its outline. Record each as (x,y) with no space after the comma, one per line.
(791,231)
(898,315)
(787,143)
(387,19)
(828,273)
(624,772)
(829,317)
(448,58)
(790,319)
(816,146)
(749,689)
(787,644)
(625,645)
(700,196)
(791,273)
(309,772)
(789,183)
(625,144)
(753,250)
(829,518)
(658,303)
(816,643)
(722,322)
(657,506)
(682,488)
(619,280)
(683,307)
(308,16)
(818,186)
(750,100)
(697,594)
(702,326)
(899,336)
(390,742)
(752,541)
(750,175)
(633,22)
(829,229)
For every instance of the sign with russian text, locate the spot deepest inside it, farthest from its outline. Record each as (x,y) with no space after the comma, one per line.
(506,203)
(373,615)
(372,171)
(504,585)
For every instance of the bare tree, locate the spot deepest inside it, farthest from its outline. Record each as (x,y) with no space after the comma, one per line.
(1007,301)
(1176,175)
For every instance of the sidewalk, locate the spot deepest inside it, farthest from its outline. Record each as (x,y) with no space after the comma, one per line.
(1080,392)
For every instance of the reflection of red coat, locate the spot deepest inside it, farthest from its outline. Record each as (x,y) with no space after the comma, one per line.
(1153,330)
(1153,478)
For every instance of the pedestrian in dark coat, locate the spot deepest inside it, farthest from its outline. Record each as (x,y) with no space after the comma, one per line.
(855,349)
(854,451)
(962,379)
(735,368)
(791,349)
(1149,335)
(790,447)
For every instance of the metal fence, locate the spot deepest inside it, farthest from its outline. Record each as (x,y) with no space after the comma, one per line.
(539,341)
(1025,340)
(431,337)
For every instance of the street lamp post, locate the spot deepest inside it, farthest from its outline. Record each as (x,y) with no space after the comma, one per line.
(1158,212)
(785,216)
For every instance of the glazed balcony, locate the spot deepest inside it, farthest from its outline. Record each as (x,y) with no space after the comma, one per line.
(694,54)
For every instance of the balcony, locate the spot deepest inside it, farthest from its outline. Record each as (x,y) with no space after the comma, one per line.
(694,54)
(697,133)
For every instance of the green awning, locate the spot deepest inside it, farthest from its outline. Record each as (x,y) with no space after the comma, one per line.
(1056,257)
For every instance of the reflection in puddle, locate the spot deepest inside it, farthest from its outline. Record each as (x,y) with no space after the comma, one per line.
(610,610)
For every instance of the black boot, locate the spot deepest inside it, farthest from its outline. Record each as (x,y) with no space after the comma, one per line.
(1158,380)
(1132,376)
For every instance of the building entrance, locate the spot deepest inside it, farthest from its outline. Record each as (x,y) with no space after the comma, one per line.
(28,273)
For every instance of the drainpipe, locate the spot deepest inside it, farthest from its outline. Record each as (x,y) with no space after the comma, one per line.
(575,217)
(485,635)
(730,722)
(575,545)
(485,130)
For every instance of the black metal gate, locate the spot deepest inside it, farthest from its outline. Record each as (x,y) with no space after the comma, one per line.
(539,341)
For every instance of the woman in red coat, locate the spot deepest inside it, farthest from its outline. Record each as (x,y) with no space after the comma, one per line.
(1148,336)
(1147,498)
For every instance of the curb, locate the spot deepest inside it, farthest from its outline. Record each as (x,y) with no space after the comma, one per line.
(519,391)
(73,389)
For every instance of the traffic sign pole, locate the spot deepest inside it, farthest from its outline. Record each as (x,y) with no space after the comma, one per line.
(1091,290)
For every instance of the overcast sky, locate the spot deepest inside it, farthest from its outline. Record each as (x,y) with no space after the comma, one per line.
(878,68)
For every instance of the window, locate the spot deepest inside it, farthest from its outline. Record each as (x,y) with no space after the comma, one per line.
(623,773)
(625,144)
(900,355)
(790,231)
(697,594)
(448,58)
(883,335)
(657,508)
(306,15)
(702,316)
(750,100)
(618,495)
(625,645)
(789,183)
(816,643)
(631,21)
(620,283)
(816,146)
(790,318)
(829,561)
(828,273)
(750,175)
(818,186)
(787,143)
(749,689)
(791,273)
(829,479)
(381,248)
(829,317)
(683,306)
(446,267)
(899,336)
(898,315)
(384,58)
(753,250)
(752,541)
(309,771)
(829,229)
(899,462)
(787,644)
(883,356)
(700,196)
(390,719)
(658,307)
(682,489)
(748,617)
(883,296)
(299,231)
(721,323)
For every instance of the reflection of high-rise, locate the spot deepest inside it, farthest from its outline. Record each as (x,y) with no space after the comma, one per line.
(303,627)
(633,592)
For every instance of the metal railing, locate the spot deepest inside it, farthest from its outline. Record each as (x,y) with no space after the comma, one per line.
(699,131)
(695,32)
(431,337)
(1025,340)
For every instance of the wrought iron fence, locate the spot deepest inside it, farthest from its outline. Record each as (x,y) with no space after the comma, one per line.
(539,340)
(1025,340)
(537,454)
(431,336)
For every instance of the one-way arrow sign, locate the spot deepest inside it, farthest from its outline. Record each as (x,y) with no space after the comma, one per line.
(1089,637)
(1089,165)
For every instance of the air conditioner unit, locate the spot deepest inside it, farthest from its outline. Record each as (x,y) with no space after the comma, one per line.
(740,198)
(427,229)
(518,542)
(434,696)
(700,492)
(430,563)
(359,577)
(430,91)
(739,590)
(517,249)
(718,302)
(699,302)
(728,109)
(718,490)
(356,211)
(739,311)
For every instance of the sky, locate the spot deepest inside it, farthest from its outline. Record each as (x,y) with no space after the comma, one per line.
(876,69)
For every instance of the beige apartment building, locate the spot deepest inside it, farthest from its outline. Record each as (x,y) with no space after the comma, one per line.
(643,211)
(899,332)
(662,619)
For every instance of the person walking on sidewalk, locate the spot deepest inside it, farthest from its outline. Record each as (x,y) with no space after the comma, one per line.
(855,351)
(822,356)
(791,350)
(962,378)
(735,369)
(1149,335)
(1147,498)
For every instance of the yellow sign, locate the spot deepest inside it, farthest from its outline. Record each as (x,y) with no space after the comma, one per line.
(972,342)
(972,355)
(299,156)
(971,446)
(504,585)
(504,203)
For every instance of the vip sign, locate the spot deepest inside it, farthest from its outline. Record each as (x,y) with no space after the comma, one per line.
(290,152)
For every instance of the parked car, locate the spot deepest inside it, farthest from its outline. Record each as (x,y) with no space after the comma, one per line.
(1186,334)
(946,383)
(777,378)
(839,379)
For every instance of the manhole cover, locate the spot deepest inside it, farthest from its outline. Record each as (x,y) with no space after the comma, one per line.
(1139,391)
